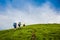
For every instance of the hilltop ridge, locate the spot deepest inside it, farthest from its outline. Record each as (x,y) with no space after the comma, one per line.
(42,31)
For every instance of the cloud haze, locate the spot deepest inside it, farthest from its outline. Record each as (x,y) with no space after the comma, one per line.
(28,14)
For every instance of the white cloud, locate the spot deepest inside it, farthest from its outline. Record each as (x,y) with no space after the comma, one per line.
(5,22)
(31,15)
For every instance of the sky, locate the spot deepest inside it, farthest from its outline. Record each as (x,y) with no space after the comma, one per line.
(28,12)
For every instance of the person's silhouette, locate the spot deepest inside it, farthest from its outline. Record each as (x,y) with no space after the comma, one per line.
(19,24)
(15,25)
(23,24)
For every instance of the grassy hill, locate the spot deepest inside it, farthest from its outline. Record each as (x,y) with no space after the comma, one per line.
(42,32)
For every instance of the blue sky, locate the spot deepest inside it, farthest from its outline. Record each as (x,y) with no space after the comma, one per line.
(20,4)
(28,12)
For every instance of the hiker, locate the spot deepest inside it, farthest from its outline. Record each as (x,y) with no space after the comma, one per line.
(19,24)
(15,25)
(23,24)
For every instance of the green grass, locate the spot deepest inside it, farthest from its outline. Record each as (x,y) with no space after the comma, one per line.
(42,32)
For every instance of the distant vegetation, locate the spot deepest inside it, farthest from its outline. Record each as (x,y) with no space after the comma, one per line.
(42,32)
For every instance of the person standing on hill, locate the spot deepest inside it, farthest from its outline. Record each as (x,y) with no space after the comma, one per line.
(15,25)
(19,24)
(24,25)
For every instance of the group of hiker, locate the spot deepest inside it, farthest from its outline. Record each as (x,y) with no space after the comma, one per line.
(19,24)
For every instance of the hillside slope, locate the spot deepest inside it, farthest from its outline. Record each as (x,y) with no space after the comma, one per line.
(42,32)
